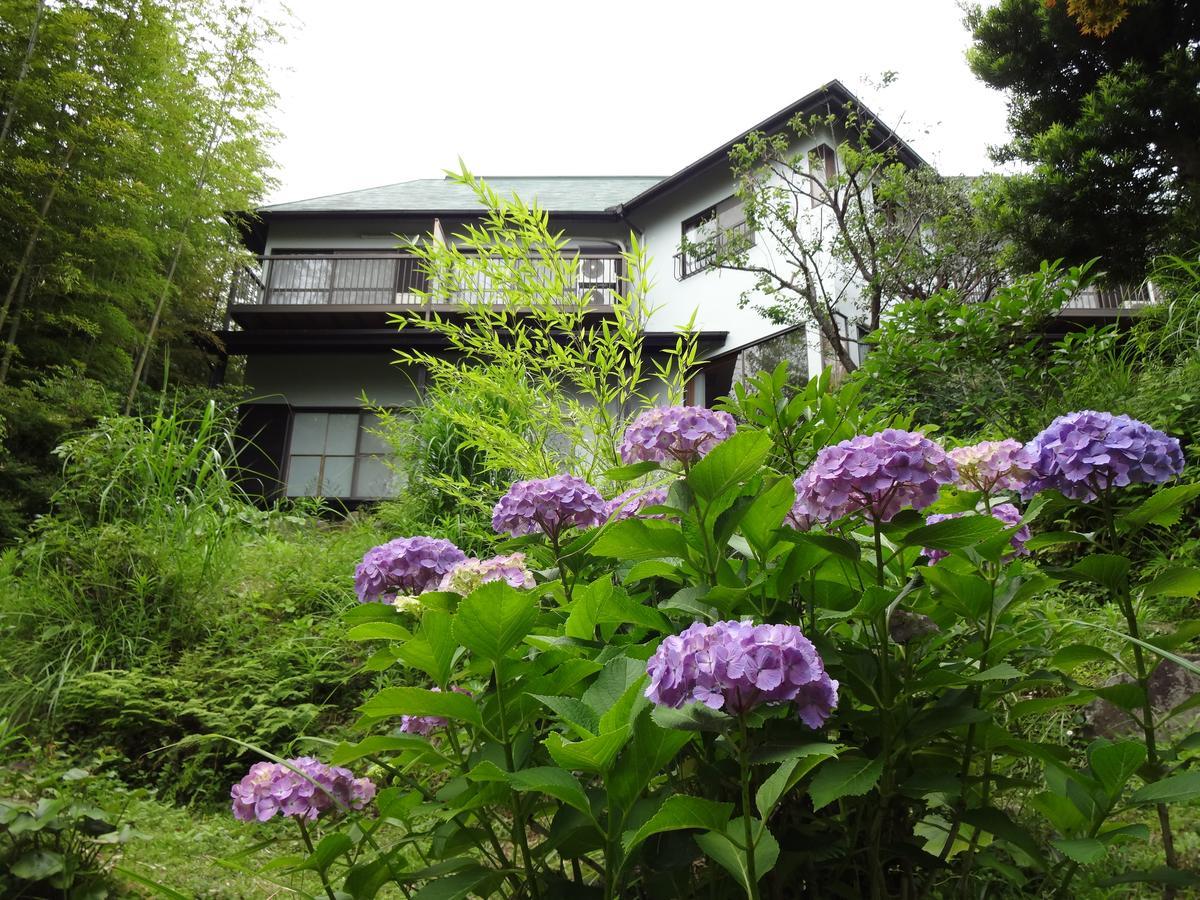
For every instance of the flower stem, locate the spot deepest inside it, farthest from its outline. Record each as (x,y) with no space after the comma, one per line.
(308,844)
(518,828)
(748,828)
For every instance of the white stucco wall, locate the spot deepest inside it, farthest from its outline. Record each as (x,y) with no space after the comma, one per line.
(329,379)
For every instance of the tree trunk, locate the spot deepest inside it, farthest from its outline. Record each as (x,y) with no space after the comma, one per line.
(22,72)
(10,343)
(31,244)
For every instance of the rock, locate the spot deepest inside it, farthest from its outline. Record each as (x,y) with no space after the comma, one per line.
(1170,685)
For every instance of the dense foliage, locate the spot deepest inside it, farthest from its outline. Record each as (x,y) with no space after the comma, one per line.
(128,130)
(827,681)
(1103,106)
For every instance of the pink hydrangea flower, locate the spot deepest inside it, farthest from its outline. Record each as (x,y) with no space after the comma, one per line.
(737,666)
(993,466)
(271,789)
(675,434)
(876,475)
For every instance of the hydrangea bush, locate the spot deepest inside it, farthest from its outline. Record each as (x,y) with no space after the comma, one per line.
(771,685)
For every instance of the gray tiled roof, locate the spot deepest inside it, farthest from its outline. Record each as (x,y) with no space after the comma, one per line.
(554,194)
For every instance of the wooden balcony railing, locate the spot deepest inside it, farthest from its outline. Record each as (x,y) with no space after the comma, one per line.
(343,281)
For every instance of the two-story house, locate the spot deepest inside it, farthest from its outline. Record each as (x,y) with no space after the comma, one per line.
(312,319)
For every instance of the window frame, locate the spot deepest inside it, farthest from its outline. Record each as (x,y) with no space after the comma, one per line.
(358,457)
(688,266)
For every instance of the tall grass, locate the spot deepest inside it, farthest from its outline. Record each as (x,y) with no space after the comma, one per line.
(140,537)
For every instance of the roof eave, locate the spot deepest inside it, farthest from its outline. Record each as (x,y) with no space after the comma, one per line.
(832,90)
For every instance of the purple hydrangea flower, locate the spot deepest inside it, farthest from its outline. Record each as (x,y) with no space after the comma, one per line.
(737,666)
(876,475)
(408,565)
(549,505)
(992,466)
(426,725)
(272,789)
(675,433)
(630,503)
(1005,513)
(1084,452)
(471,573)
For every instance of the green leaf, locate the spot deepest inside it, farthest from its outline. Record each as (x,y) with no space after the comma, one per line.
(1103,569)
(631,471)
(376,745)
(954,534)
(1160,875)
(330,848)
(730,462)
(693,717)
(378,631)
(766,513)
(593,755)
(1164,507)
(36,865)
(1072,657)
(411,701)
(581,717)
(998,672)
(1183,581)
(844,778)
(997,822)
(1174,789)
(680,812)
(453,887)
(646,756)
(1082,850)
(1114,763)
(432,649)
(723,847)
(494,620)
(554,783)
(1055,539)
(638,539)
(789,773)
(1039,705)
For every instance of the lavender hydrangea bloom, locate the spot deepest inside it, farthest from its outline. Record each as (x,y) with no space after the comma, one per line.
(992,466)
(471,573)
(1083,452)
(630,503)
(737,666)
(408,565)
(1005,513)
(272,789)
(549,505)
(877,475)
(426,725)
(675,433)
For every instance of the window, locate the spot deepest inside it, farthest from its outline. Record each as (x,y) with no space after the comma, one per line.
(335,454)
(822,168)
(709,232)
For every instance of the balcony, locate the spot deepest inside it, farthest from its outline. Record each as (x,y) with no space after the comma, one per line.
(1109,301)
(706,253)
(361,290)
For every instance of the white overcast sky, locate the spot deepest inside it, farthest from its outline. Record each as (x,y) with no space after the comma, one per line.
(379,91)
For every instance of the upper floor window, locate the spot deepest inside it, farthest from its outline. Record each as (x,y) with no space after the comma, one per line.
(708,233)
(822,168)
(335,453)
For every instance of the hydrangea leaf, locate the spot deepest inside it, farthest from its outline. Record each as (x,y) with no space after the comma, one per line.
(724,848)
(766,513)
(1081,850)
(593,755)
(1114,763)
(1183,581)
(954,534)
(638,539)
(789,773)
(1173,789)
(1165,507)
(730,462)
(411,701)
(554,783)
(678,813)
(844,778)
(494,620)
